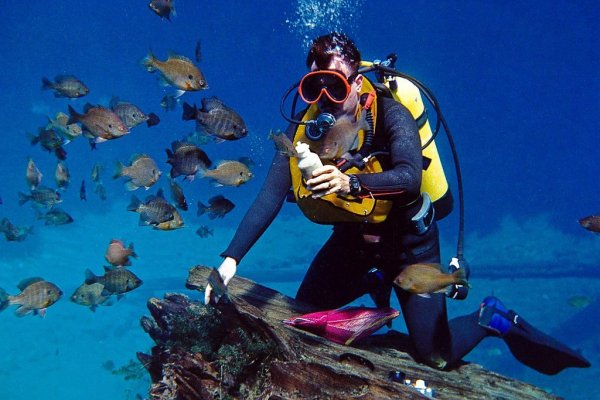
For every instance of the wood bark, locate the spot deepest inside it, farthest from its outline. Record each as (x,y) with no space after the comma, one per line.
(300,365)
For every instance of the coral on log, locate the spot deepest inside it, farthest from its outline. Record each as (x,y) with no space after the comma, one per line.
(240,349)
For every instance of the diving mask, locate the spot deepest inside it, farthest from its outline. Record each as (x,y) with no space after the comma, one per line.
(333,84)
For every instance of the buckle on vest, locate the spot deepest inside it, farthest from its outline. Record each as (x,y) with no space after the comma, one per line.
(423,219)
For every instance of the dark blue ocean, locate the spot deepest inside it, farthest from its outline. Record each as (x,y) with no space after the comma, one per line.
(518,83)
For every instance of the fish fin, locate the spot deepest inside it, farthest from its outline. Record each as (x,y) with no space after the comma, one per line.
(424,295)
(148,62)
(132,186)
(460,277)
(93,307)
(23,198)
(120,296)
(189,112)
(179,56)
(46,84)
(201,209)
(88,106)
(213,103)
(73,115)
(153,120)
(41,312)
(179,93)
(90,277)
(28,281)
(134,204)
(99,140)
(162,81)
(108,301)
(118,169)
(114,100)
(22,311)
(218,140)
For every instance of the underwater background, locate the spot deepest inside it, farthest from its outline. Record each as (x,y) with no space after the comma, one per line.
(519,85)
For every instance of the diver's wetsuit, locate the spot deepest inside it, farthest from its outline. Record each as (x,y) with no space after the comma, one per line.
(337,274)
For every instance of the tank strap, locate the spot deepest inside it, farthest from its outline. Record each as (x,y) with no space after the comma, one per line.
(421,120)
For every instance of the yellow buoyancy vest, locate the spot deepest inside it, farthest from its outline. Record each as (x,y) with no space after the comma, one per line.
(336,208)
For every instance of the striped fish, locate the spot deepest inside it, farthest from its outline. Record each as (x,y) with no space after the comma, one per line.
(116,281)
(218,120)
(36,296)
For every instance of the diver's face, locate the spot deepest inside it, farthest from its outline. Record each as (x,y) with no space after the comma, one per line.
(349,106)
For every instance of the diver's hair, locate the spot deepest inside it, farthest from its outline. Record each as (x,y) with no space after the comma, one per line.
(325,47)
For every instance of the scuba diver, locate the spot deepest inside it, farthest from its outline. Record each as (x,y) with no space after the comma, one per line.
(370,189)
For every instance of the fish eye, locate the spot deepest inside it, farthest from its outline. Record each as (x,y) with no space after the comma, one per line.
(110,126)
(190,77)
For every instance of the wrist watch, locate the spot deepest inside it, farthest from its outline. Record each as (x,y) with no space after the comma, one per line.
(355,187)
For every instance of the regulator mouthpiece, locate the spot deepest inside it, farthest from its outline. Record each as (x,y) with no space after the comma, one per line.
(315,129)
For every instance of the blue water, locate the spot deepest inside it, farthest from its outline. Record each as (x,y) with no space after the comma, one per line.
(519,85)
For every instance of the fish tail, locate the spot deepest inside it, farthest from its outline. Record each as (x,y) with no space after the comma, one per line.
(133,253)
(23,198)
(118,170)
(90,277)
(189,112)
(73,116)
(149,62)
(134,205)
(60,153)
(153,120)
(33,139)
(46,84)
(201,209)
(459,277)
(4,300)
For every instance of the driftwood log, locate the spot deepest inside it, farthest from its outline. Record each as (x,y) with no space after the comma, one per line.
(250,354)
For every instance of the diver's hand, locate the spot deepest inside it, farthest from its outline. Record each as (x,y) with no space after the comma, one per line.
(328,179)
(227,270)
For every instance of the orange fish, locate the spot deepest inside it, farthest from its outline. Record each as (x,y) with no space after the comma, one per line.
(426,278)
(178,71)
(117,254)
(100,123)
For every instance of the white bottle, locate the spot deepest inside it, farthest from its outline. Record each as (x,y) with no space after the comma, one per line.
(307,160)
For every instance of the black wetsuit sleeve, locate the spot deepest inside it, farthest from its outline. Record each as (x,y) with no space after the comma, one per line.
(263,210)
(399,134)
